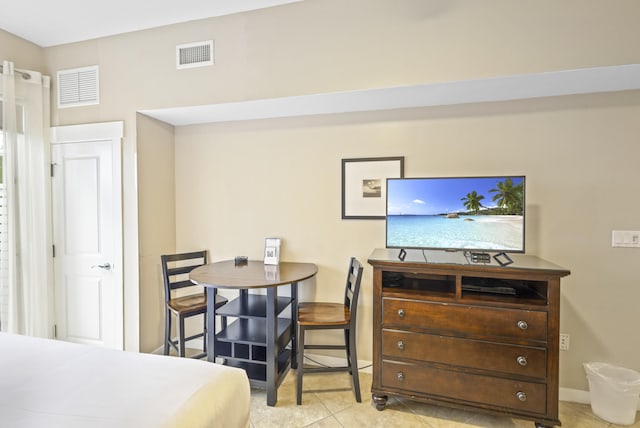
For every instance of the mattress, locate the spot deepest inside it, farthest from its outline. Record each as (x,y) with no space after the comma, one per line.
(49,383)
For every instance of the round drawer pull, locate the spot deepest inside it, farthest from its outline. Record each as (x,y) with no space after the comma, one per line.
(522,325)
(400,376)
(522,360)
(401,313)
(401,345)
(521,396)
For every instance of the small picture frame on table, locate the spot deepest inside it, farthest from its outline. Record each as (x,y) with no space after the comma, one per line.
(271,251)
(364,186)
(503,259)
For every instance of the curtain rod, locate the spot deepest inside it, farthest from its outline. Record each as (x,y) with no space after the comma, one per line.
(25,76)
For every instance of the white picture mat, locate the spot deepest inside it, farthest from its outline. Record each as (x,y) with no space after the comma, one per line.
(354,175)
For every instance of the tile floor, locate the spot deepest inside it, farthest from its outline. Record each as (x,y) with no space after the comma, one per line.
(327,401)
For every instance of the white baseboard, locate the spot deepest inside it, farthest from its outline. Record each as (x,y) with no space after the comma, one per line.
(574,395)
(191,344)
(578,396)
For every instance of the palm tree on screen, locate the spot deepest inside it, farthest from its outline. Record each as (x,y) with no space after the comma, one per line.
(509,196)
(472,201)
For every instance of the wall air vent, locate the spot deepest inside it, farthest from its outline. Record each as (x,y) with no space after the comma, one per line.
(78,87)
(198,54)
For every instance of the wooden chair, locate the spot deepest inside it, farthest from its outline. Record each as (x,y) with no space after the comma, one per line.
(329,316)
(175,271)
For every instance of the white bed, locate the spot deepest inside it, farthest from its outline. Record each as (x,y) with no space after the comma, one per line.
(48,383)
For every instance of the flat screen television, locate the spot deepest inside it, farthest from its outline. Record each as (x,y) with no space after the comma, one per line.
(456,213)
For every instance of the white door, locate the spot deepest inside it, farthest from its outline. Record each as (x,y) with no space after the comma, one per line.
(87,235)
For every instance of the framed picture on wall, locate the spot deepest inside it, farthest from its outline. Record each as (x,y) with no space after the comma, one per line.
(364,186)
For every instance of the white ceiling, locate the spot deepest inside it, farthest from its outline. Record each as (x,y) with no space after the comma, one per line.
(55,22)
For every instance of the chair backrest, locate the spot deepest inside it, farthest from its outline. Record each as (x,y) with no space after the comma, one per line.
(352,288)
(176,275)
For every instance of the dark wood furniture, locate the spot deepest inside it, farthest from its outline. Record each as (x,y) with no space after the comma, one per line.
(332,316)
(175,274)
(472,336)
(262,338)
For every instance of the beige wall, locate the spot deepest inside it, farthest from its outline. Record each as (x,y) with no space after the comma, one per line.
(282,178)
(245,181)
(157,224)
(25,55)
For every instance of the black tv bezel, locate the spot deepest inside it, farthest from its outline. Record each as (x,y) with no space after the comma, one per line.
(453,249)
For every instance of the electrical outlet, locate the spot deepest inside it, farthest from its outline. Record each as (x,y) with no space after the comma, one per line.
(564,342)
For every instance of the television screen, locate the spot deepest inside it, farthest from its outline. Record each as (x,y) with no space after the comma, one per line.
(456,213)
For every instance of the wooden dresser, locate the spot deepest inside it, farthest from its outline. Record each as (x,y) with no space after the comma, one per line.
(474,336)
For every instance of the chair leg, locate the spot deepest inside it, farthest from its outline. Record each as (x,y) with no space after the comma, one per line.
(353,363)
(347,348)
(300,369)
(204,338)
(167,331)
(181,337)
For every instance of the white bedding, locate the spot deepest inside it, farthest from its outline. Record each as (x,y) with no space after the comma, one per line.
(48,383)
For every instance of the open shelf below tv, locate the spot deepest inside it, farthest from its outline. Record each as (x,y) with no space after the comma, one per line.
(460,287)
(420,283)
(521,290)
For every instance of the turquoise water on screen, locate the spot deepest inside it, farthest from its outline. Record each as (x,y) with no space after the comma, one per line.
(436,231)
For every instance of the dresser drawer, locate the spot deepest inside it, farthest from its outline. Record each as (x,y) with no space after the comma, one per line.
(469,320)
(450,384)
(456,351)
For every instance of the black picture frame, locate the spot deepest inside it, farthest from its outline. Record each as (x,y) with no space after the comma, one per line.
(364,186)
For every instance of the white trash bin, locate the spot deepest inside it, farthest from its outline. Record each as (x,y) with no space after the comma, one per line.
(614,392)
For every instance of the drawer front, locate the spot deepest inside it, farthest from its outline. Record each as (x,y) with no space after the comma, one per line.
(465,319)
(448,384)
(483,355)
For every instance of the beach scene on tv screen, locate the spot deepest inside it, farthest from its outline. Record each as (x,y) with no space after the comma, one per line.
(456,213)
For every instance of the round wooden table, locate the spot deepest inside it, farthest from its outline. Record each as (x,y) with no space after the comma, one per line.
(256,340)
(254,274)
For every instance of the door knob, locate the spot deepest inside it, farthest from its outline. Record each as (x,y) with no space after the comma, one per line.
(105,266)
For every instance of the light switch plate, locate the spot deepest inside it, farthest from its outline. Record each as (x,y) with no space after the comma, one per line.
(625,238)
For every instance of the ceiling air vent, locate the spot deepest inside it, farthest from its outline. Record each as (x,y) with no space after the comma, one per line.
(78,87)
(196,54)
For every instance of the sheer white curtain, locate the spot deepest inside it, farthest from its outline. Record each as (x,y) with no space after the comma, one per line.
(26,273)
